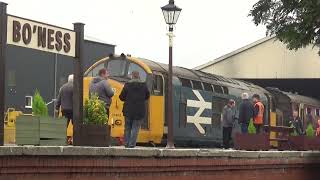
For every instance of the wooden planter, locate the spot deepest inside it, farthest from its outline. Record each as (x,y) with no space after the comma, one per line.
(53,131)
(27,130)
(252,142)
(95,135)
(303,143)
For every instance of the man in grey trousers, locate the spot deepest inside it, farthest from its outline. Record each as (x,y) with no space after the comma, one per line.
(228,118)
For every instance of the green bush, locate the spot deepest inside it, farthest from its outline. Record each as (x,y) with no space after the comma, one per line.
(94,111)
(251,128)
(310,131)
(39,107)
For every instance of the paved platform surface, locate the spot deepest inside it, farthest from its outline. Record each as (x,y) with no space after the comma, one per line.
(148,152)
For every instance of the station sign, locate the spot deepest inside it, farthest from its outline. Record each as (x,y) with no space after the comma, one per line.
(35,35)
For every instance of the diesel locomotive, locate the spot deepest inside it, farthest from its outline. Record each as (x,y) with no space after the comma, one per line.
(199,98)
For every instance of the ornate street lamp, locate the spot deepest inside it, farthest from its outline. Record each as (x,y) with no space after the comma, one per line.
(171,14)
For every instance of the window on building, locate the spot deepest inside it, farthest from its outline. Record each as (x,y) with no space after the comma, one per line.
(117,68)
(218,89)
(207,87)
(157,87)
(136,67)
(28,102)
(225,90)
(197,85)
(185,82)
(11,78)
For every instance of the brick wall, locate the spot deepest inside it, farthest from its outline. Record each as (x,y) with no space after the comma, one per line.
(172,166)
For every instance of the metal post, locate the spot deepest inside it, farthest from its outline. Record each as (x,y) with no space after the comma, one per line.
(3,45)
(78,83)
(55,84)
(170,143)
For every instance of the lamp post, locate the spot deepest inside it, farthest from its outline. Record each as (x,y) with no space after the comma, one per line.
(171,14)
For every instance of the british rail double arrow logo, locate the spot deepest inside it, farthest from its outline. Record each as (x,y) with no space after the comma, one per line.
(197,120)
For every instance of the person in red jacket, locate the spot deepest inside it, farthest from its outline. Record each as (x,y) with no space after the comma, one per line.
(258,113)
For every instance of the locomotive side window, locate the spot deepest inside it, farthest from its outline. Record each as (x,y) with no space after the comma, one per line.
(207,87)
(218,89)
(217,107)
(135,67)
(157,88)
(185,82)
(116,68)
(197,85)
(225,90)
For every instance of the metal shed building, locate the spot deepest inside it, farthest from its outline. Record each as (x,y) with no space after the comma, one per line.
(29,69)
(267,62)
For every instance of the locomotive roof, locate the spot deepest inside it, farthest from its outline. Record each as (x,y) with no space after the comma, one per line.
(199,75)
(303,99)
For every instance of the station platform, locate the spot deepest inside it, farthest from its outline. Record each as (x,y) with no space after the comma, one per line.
(117,163)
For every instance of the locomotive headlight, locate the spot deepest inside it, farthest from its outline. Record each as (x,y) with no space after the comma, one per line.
(118,122)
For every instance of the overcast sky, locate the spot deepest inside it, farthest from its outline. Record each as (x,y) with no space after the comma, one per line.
(205,30)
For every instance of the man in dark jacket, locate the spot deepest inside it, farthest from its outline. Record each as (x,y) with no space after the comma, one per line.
(134,94)
(101,87)
(245,112)
(297,123)
(65,99)
(228,117)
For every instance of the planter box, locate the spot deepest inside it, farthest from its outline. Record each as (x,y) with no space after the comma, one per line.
(53,131)
(95,135)
(253,142)
(27,130)
(303,143)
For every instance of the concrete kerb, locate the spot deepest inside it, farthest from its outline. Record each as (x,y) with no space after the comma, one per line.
(149,152)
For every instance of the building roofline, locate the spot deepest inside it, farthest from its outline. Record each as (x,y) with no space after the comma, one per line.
(221,58)
(95,40)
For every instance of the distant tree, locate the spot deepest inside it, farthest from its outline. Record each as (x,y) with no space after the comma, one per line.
(294,22)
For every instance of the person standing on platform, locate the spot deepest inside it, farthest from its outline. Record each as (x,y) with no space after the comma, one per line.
(228,118)
(65,101)
(258,113)
(245,112)
(297,123)
(101,87)
(134,94)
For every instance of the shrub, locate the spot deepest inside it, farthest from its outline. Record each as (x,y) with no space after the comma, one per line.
(39,107)
(251,128)
(94,111)
(310,131)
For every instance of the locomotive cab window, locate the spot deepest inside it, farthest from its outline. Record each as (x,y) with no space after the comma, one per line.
(117,68)
(197,85)
(157,88)
(136,67)
(185,82)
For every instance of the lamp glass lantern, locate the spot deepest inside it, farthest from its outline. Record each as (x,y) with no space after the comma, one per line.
(171,13)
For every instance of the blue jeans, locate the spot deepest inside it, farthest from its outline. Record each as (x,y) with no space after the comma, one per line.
(131,130)
(244,128)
